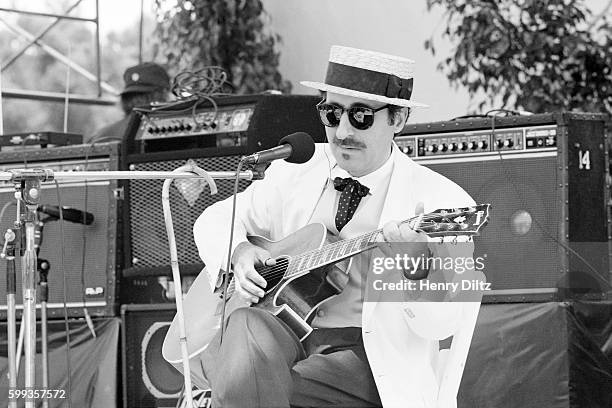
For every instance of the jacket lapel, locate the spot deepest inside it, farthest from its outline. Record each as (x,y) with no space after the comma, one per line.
(399,205)
(301,204)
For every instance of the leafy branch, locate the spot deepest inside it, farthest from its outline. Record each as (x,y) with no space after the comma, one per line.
(227,33)
(532,54)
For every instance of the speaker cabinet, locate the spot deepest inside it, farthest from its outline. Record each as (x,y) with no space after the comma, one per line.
(215,137)
(90,252)
(545,176)
(148,243)
(148,380)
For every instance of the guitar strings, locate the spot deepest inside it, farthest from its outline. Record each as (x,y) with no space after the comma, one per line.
(280,269)
(328,248)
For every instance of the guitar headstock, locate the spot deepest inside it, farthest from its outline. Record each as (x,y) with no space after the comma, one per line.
(465,221)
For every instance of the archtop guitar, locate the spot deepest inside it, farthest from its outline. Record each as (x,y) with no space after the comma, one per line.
(310,269)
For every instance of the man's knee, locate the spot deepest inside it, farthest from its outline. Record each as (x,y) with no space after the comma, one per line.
(248,317)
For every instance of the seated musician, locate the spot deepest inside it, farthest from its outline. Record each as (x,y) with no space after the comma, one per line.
(361,352)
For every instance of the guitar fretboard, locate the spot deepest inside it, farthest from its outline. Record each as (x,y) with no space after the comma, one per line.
(439,223)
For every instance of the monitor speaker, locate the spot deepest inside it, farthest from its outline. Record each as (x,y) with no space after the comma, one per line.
(148,380)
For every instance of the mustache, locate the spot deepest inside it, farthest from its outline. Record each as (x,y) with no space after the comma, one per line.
(348,143)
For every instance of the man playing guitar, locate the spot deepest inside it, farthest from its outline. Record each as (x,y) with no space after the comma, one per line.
(362,349)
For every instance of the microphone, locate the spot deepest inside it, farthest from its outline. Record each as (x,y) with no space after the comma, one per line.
(68,213)
(295,148)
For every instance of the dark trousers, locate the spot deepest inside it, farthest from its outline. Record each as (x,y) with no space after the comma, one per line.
(261,363)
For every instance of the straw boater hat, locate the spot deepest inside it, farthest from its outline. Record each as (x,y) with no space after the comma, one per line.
(368,75)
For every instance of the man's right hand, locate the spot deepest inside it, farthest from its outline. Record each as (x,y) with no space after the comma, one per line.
(249,283)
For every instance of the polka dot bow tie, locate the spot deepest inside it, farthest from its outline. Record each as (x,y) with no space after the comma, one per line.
(352,193)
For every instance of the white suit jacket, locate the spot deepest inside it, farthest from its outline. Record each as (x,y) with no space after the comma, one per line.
(400,338)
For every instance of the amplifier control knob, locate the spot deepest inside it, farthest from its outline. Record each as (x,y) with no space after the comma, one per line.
(509,143)
(454,147)
(472,145)
(463,146)
(483,144)
(444,147)
(499,143)
(407,149)
(433,148)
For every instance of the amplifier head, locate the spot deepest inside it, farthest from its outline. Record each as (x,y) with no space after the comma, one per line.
(247,123)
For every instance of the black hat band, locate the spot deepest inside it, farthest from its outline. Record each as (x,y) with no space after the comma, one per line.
(368,81)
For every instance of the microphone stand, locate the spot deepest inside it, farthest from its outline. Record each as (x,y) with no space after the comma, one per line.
(27,184)
(43,267)
(8,253)
(28,191)
(43,271)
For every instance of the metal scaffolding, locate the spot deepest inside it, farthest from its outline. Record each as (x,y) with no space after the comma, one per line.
(37,39)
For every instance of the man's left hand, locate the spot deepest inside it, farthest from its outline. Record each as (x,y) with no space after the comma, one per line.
(405,239)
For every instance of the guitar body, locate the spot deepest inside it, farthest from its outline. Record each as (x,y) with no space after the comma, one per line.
(292,299)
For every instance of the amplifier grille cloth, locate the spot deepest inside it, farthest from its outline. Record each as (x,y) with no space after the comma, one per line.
(513,260)
(149,240)
(96,240)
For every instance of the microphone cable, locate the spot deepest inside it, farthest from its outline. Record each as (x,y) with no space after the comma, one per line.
(64,286)
(88,151)
(227,274)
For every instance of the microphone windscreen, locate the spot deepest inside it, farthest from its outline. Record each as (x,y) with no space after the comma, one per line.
(302,147)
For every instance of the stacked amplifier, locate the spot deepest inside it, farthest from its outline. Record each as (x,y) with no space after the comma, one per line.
(215,136)
(546,178)
(88,258)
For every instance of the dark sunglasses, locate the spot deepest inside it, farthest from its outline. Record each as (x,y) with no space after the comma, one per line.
(360,117)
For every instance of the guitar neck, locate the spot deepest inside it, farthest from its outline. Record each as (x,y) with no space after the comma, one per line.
(467,221)
(337,251)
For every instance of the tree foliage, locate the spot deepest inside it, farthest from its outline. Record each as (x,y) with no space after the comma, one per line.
(537,55)
(230,34)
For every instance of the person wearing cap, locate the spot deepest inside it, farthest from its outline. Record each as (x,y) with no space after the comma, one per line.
(144,83)
(364,351)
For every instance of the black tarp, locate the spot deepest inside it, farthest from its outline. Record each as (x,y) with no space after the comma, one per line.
(553,355)
(523,355)
(93,363)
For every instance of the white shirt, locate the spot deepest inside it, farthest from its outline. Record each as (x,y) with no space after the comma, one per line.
(344,310)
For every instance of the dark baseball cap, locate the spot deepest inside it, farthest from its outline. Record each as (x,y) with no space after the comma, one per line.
(145,77)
